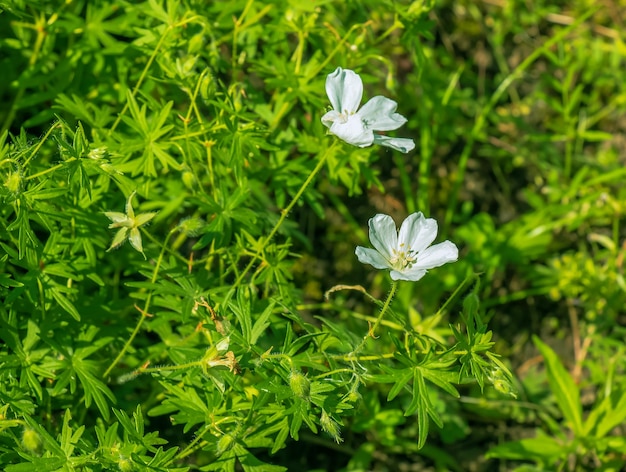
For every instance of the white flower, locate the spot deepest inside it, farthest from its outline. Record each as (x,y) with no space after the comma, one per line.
(406,253)
(345,89)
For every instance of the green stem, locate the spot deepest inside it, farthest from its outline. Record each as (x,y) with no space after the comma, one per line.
(372,331)
(169,368)
(277,226)
(144,73)
(144,312)
(191,448)
(390,355)
(38,147)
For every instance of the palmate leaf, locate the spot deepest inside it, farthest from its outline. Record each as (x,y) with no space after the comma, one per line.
(420,401)
(95,389)
(187,406)
(160,461)
(135,429)
(263,437)
(69,438)
(74,366)
(151,141)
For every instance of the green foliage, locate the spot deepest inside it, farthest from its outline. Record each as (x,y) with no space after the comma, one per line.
(584,442)
(192,130)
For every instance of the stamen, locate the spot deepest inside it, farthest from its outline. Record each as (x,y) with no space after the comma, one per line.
(401,260)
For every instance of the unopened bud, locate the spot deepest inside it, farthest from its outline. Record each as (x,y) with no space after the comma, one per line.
(13,182)
(31,441)
(125,465)
(299,384)
(330,426)
(225,443)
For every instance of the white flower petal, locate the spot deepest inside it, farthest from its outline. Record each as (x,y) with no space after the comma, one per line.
(371,257)
(412,275)
(409,229)
(344,89)
(383,234)
(436,256)
(353,132)
(379,114)
(417,232)
(399,144)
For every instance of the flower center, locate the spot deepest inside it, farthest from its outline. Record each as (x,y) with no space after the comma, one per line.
(345,116)
(402,259)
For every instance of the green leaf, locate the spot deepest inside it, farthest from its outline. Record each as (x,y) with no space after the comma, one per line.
(65,303)
(545,450)
(282,435)
(420,404)
(252,464)
(443,379)
(563,387)
(260,324)
(94,388)
(402,377)
(607,415)
(43,464)
(50,443)
(242,311)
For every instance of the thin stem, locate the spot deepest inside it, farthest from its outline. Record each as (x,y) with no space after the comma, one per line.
(141,79)
(426,155)
(191,448)
(38,147)
(144,312)
(390,355)
(144,73)
(170,368)
(46,171)
(372,331)
(144,315)
(277,226)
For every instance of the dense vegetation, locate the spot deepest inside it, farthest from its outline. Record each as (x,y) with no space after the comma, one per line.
(179,288)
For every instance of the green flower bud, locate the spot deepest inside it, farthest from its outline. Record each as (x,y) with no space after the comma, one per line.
(225,443)
(189,179)
(31,441)
(299,384)
(502,383)
(354,396)
(330,426)
(13,182)
(125,465)
(191,226)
